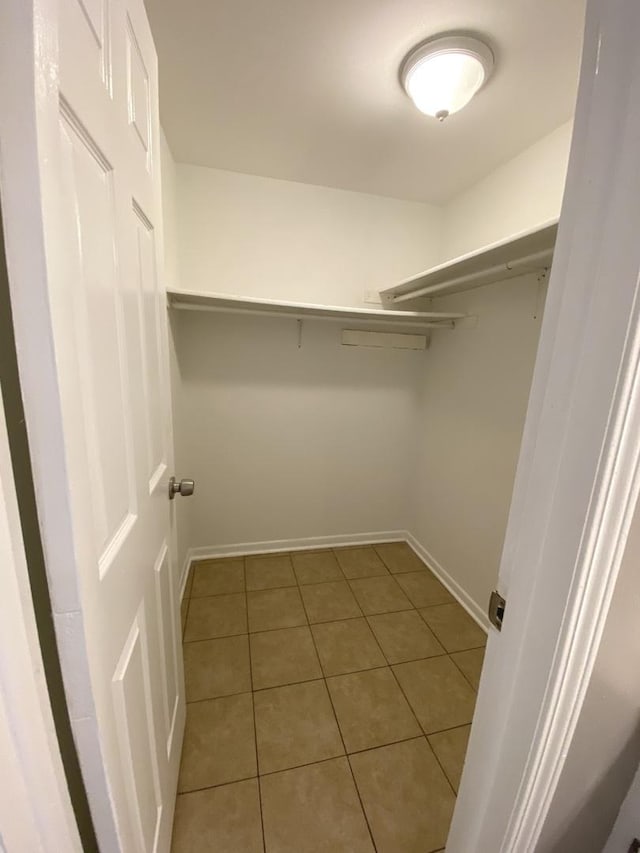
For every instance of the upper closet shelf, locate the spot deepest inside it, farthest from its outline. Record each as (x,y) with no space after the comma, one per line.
(529,251)
(188,300)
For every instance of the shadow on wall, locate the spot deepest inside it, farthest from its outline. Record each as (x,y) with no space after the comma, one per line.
(588,830)
(255,351)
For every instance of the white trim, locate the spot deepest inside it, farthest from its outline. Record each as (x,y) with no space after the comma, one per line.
(616,476)
(37,814)
(308,543)
(526,251)
(577,475)
(462,597)
(607,526)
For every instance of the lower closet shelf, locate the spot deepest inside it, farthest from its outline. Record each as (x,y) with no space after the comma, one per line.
(191,301)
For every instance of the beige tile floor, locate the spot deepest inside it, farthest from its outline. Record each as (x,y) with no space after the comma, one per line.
(330,696)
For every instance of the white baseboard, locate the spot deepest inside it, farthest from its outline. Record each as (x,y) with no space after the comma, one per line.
(310,543)
(463,598)
(242,549)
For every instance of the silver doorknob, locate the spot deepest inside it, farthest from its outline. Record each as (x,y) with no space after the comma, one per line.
(180,487)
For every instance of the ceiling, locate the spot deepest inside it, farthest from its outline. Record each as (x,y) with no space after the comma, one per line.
(308,90)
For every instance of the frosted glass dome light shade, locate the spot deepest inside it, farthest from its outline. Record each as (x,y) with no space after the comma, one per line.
(442,75)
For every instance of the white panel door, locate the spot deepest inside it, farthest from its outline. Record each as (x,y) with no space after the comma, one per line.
(98,160)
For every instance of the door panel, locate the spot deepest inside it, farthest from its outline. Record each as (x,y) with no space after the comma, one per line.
(97,314)
(102,225)
(168,643)
(132,700)
(151,337)
(138,94)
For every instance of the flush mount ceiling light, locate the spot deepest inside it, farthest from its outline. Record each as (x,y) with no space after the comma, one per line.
(443,74)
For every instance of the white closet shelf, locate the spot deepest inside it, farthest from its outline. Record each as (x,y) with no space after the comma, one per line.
(191,301)
(528,251)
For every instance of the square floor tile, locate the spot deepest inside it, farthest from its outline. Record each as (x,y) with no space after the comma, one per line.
(269,571)
(216,667)
(371,709)
(219,743)
(314,809)
(470,663)
(214,577)
(453,626)
(399,557)
(283,657)
(379,595)
(216,616)
(360,562)
(347,646)
(275,608)
(451,749)
(424,589)
(404,636)
(326,602)
(316,567)
(219,820)
(438,692)
(295,725)
(406,797)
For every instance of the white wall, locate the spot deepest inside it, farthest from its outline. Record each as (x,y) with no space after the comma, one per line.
(288,442)
(605,749)
(247,235)
(521,194)
(261,237)
(627,823)
(475,388)
(476,382)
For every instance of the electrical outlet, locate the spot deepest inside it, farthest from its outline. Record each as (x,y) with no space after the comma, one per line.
(372,297)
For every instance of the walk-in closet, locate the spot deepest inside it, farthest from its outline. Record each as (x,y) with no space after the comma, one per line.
(299,299)
(351,359)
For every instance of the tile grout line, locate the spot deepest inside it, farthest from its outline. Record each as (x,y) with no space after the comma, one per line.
(421,736)
(424,734)
(253,705)
(366,616)
(337,722)
(324,678)
(460,670)
(348,580)
(390,665)
(409,705)
(217,785)
(436,754)
(420,726)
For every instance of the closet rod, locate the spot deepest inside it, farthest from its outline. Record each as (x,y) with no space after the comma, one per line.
(443,324)
(499,272)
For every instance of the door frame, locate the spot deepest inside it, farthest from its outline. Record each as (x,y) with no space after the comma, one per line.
(588,363)
(40,807)
(578,475)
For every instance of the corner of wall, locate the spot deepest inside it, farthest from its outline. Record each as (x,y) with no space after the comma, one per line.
(522,193)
